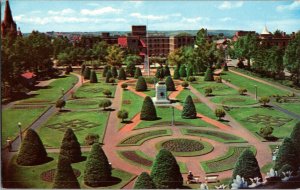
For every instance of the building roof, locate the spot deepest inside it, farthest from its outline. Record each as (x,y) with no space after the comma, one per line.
(122,41)
(265,30)
(28,75)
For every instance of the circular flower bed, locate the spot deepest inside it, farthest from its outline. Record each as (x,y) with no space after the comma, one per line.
(50,174)
(186,147)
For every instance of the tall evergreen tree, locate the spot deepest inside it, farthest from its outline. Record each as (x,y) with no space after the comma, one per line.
(32,151)
(246,166)
(287,155)
(176,73)
(114,72)
(144,181)
(64,175)
(87,73)
(167,71)
(189,109)
(190,72)
(148,111)
(70,147)
(295,136)
(108,76)
(105,70)
(209,76)
(159,73)
(165,171)
(141,84)
(97,170)
(93,77)
(82,69)
(137,73)
(122,74)
(182,71)
(170,84)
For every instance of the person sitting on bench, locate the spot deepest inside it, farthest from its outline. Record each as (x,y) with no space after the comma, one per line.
(190,176)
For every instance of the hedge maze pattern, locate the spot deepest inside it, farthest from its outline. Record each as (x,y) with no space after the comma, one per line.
(268,120)
(75,124)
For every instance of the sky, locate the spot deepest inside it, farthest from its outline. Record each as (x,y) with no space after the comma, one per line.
(91,16)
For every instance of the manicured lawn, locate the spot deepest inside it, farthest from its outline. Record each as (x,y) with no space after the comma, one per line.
(85,103)
(54,91)
(262,89)
(132,103)
(266,168)
(242,115)
(138,139)
(225,162)
(138,158)
(94,90)
(214,135)
(29,176)
(233,100)
(293,107)
(52,132)
(11,117)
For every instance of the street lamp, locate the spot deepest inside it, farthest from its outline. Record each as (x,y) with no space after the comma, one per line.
(255,86)
(20,130)
(62,91)
(8,142)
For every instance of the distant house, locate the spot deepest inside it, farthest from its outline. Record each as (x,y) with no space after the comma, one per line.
(28,79)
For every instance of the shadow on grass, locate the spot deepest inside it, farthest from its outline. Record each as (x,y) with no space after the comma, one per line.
(64,110)
(127,122)
(112,181)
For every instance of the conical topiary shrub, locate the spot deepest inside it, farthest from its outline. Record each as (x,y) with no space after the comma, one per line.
(108,76)
(32,151)
(97,171)
(144,181)
(190,72)
(167,71)
(170,84)
(64,175)
(141,84)
(93,77)
(82,69)
(246,166)
(182,71)
(122,74)
(176,73)
(189,109)
(159,73)
(137,73)
(105,70)
(70,147)
(295,137)
(209,76)
(114,72)
(87,73)
(165,171)
(287,155)
(148,111)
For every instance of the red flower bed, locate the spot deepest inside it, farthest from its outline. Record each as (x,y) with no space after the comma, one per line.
(133,156)
(50,174)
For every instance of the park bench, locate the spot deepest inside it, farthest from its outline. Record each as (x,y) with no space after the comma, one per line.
(211,178)
(196,179)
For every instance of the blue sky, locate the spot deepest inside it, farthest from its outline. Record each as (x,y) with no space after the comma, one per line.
(60,15)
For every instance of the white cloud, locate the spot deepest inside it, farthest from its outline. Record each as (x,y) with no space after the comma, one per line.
(230,5)
(225,19)
(293,6)
(99,11)
(62,12)
(195,19)
(149,17)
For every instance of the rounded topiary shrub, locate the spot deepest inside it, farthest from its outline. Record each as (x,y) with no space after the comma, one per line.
(141,84)
(170,84)
(189,109)
(144,181)
(93,77)
(184,84)
(32,151)
(148,111)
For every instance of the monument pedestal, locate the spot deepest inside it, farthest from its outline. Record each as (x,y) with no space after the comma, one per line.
(161,94)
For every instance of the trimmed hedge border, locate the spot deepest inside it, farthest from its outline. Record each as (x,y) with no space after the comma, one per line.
(225,162)
(138,158)
(214,135)
(138,139)
(207,148)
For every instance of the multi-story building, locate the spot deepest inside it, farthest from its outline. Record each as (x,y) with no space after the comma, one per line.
(241,33)
(181,40)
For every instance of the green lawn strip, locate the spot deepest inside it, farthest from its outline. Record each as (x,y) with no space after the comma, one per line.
(139,139)
(200,106)
(83,103)
(243,115)
(94,90)
(292,107)
(140,159)
(225,162)
(207,149)
(266,168)
(29,176)
(243,82)
(234,100)
(54,91)
(11,117)
(165,114)
(132,103)
(51,134)
(214,135)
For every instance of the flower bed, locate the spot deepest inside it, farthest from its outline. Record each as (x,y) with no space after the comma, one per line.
(186,147)
(215,135)
(268,120)
(134,157)
(75,124)
(18,107)
(49,175)
(140,138)
(225,162)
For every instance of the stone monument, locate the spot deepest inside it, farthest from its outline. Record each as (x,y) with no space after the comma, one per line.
(161,94)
